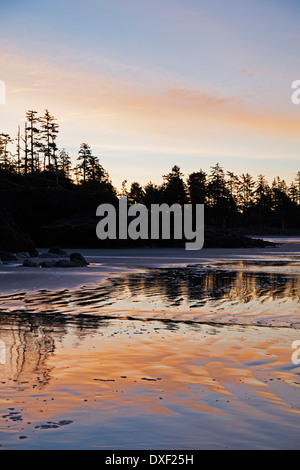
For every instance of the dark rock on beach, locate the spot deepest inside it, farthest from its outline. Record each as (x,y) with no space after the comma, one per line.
(56,250)
(29,263)
(47,264)
(65,263)
(76,260)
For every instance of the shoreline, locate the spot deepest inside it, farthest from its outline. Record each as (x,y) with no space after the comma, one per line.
(109,356)
(112,262)
(122,285)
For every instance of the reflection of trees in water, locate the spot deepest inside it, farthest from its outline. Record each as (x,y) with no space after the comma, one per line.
(30,340)
(32,331)
(172,286)
(27,348)
(184,285)
(191,284)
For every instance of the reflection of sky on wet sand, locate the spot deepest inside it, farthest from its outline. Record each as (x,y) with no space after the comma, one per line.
(221,294)
(146,384)
(154,359)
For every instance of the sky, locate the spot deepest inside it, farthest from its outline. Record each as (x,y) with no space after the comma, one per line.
(152,84)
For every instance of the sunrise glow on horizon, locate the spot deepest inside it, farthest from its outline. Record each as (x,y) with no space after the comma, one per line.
(151,85)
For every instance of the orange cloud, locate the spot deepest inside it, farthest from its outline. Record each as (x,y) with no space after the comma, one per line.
(169,111)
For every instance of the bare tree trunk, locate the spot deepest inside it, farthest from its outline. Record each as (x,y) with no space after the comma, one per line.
(26,150)
(18,151)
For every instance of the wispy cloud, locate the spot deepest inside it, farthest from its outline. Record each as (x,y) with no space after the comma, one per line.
(120,114)
(131,105)
(247,72)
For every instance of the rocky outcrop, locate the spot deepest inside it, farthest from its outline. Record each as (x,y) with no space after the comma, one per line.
(81,231)
(56,250)
(66,218)
(76,260)
(214,238)
(29,263)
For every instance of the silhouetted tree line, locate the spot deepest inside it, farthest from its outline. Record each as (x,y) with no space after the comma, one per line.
(230,200)
(34,154)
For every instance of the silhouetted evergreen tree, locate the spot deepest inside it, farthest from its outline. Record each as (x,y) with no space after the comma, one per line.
(230,200)
(153,194)
(197,187)
(217,189)
(297,182)
(174,188)
(136,194)
(84,155)
(233,185)
(33,135)
(25,140)
(48,135)
(246,192)
(5,154)
(64,163)
(18,152)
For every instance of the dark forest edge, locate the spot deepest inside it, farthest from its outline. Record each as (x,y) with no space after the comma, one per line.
(44,201)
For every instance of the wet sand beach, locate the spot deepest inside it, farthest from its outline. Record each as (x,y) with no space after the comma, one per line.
(161,349)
